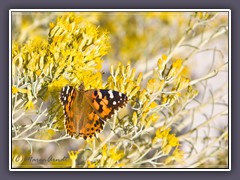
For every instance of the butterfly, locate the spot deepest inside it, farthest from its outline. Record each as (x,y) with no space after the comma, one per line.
(86,111)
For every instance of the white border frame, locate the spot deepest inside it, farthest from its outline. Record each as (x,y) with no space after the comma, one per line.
(120,10)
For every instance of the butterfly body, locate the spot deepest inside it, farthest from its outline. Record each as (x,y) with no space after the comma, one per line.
(86,111)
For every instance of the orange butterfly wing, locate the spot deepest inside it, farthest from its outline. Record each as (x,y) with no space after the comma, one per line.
(87,111)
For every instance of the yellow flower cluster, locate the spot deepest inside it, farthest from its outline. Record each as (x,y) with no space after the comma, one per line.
(177,156)
(29,104)
(72,55)
(15,90)
(168,85)
(168,142)
(204,15)
(175,82)
(145,116)
(79,46)
(109,158)
(123,80)
(73,155)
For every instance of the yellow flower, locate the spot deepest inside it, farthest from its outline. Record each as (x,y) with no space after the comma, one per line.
(177,64)
(14,90)
(116,155)
(120,165)
(183,83)
(164,142)
(134,118)
(204,15)
(38,72)
(162,132)
(169,159)
(73,155)
(166,149)
(154,117)
(149,119)
(104,155)
(139,78)
(51,25)
(175,69)
(164,57)
(143,118)
(91,164)
(176,156)
(145,106)
(134,91)
(129,87)
(73,53)
(186,72)
(104,150)
(151,85)
(45,134)
(142,96)
(29,105)
(55,87)
(132,76)
(168,140)
(162,62)
(164,99)
(172,140)
(123,80)
(153,105)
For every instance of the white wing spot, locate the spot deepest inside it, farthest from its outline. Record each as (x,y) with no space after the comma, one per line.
(111,94)
(120,94)
(99,95)
(114,103)
(67,89)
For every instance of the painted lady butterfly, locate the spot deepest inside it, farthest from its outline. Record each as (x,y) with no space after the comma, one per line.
(87,110)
